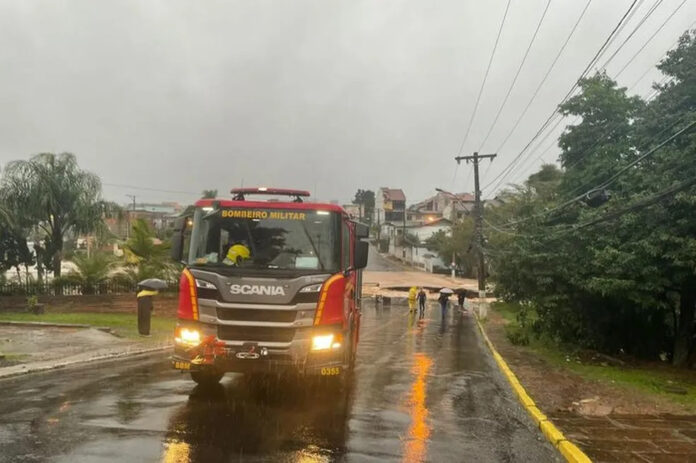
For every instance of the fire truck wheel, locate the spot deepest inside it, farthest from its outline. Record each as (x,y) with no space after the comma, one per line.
(206,377)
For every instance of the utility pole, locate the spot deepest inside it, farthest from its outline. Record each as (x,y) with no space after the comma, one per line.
(129,216)
(403,234)
(478,215)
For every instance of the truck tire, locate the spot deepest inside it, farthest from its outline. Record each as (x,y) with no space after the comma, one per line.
(206,377)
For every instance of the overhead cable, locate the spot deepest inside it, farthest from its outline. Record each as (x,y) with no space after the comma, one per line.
(485,78)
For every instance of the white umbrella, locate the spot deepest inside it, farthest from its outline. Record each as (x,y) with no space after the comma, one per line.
(447,291)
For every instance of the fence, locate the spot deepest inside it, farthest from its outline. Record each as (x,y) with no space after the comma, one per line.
(64,288)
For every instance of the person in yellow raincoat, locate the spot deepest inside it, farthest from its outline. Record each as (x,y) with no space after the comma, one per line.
(412,295)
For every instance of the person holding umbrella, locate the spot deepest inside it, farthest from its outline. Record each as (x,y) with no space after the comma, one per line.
(445,293)
(147,289)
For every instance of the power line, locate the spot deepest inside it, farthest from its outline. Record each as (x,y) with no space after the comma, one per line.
(648,97)
(554,114)
(549,133)
(546,76)
(640,158)
(606,182)
(635,29)
(485,78)
(659,134)
(650,38)
(640,204)
(118,185)
(517,74)
(675,43)
(599,140)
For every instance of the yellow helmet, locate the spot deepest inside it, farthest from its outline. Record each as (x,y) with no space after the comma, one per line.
(237,252)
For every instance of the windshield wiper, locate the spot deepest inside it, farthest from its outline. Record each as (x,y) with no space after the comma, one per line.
(314,247)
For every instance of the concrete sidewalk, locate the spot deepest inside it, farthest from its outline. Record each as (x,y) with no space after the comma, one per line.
(28,348)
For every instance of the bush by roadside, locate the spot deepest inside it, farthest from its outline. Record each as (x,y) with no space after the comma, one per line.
(562,375)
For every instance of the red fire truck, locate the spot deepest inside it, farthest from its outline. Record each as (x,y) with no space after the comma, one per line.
(268,286)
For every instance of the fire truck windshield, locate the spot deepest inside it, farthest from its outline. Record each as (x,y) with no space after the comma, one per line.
(306,241)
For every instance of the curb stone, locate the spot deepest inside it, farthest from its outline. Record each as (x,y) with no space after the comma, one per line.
(567,449)
(98,358)
(45,324)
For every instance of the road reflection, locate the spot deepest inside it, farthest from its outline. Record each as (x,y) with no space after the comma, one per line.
(252,417)
(415,447)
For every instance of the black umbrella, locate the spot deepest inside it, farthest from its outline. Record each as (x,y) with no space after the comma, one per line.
(153,283)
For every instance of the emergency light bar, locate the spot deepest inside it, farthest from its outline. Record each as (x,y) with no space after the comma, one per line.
(240,193)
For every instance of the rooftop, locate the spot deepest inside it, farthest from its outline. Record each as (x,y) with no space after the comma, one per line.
(393,194)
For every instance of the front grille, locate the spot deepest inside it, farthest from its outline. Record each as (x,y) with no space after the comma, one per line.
(255,333)
(256,315)
(305,297)
(208,293)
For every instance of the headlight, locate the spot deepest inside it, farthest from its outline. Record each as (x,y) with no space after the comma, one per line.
(205,284)
(326,341)
(189,337)
(311,288)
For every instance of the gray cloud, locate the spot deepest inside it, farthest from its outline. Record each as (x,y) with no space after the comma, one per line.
(182,95)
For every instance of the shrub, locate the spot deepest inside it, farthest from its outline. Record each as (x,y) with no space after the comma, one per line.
(517,335)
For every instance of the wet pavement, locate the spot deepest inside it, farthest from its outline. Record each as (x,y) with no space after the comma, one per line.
(422,391)
(650,438)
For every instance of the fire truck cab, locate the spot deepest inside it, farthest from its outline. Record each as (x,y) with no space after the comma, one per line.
(268,286)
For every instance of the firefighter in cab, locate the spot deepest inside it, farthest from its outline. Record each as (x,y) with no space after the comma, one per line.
(236,254)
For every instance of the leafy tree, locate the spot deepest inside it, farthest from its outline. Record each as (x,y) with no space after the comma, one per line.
(459,242)
(14,250)
(366,199)
(627,284)
(209,194)
(56,196)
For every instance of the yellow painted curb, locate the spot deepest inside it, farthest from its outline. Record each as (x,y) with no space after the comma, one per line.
(536,414)
(572,453)
(569,450)
(551,432)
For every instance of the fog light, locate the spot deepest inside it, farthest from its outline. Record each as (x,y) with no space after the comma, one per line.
(326,341)
(189,337)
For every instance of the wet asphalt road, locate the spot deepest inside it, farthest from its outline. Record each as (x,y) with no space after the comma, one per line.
(422,391)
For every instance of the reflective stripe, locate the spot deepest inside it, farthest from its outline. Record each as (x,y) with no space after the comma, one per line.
(324,293)
(192,290)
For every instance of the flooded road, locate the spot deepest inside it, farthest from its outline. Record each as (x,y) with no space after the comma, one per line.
(423,391)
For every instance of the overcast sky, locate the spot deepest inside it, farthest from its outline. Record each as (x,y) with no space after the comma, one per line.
(323,95)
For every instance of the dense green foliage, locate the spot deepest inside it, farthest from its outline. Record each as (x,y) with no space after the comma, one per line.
(146,257)
(366,199)
(458,243)
(618,276)
(91,271)
(51,194)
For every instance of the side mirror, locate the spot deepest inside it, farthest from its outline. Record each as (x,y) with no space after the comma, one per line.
(361,231)
(361,251)
(177,248)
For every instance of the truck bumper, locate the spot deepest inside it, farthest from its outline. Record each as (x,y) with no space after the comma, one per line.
(263,361)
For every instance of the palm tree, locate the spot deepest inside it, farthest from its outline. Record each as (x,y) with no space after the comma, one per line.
(56,196)
(91,271)
(209,194)
(145,257)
